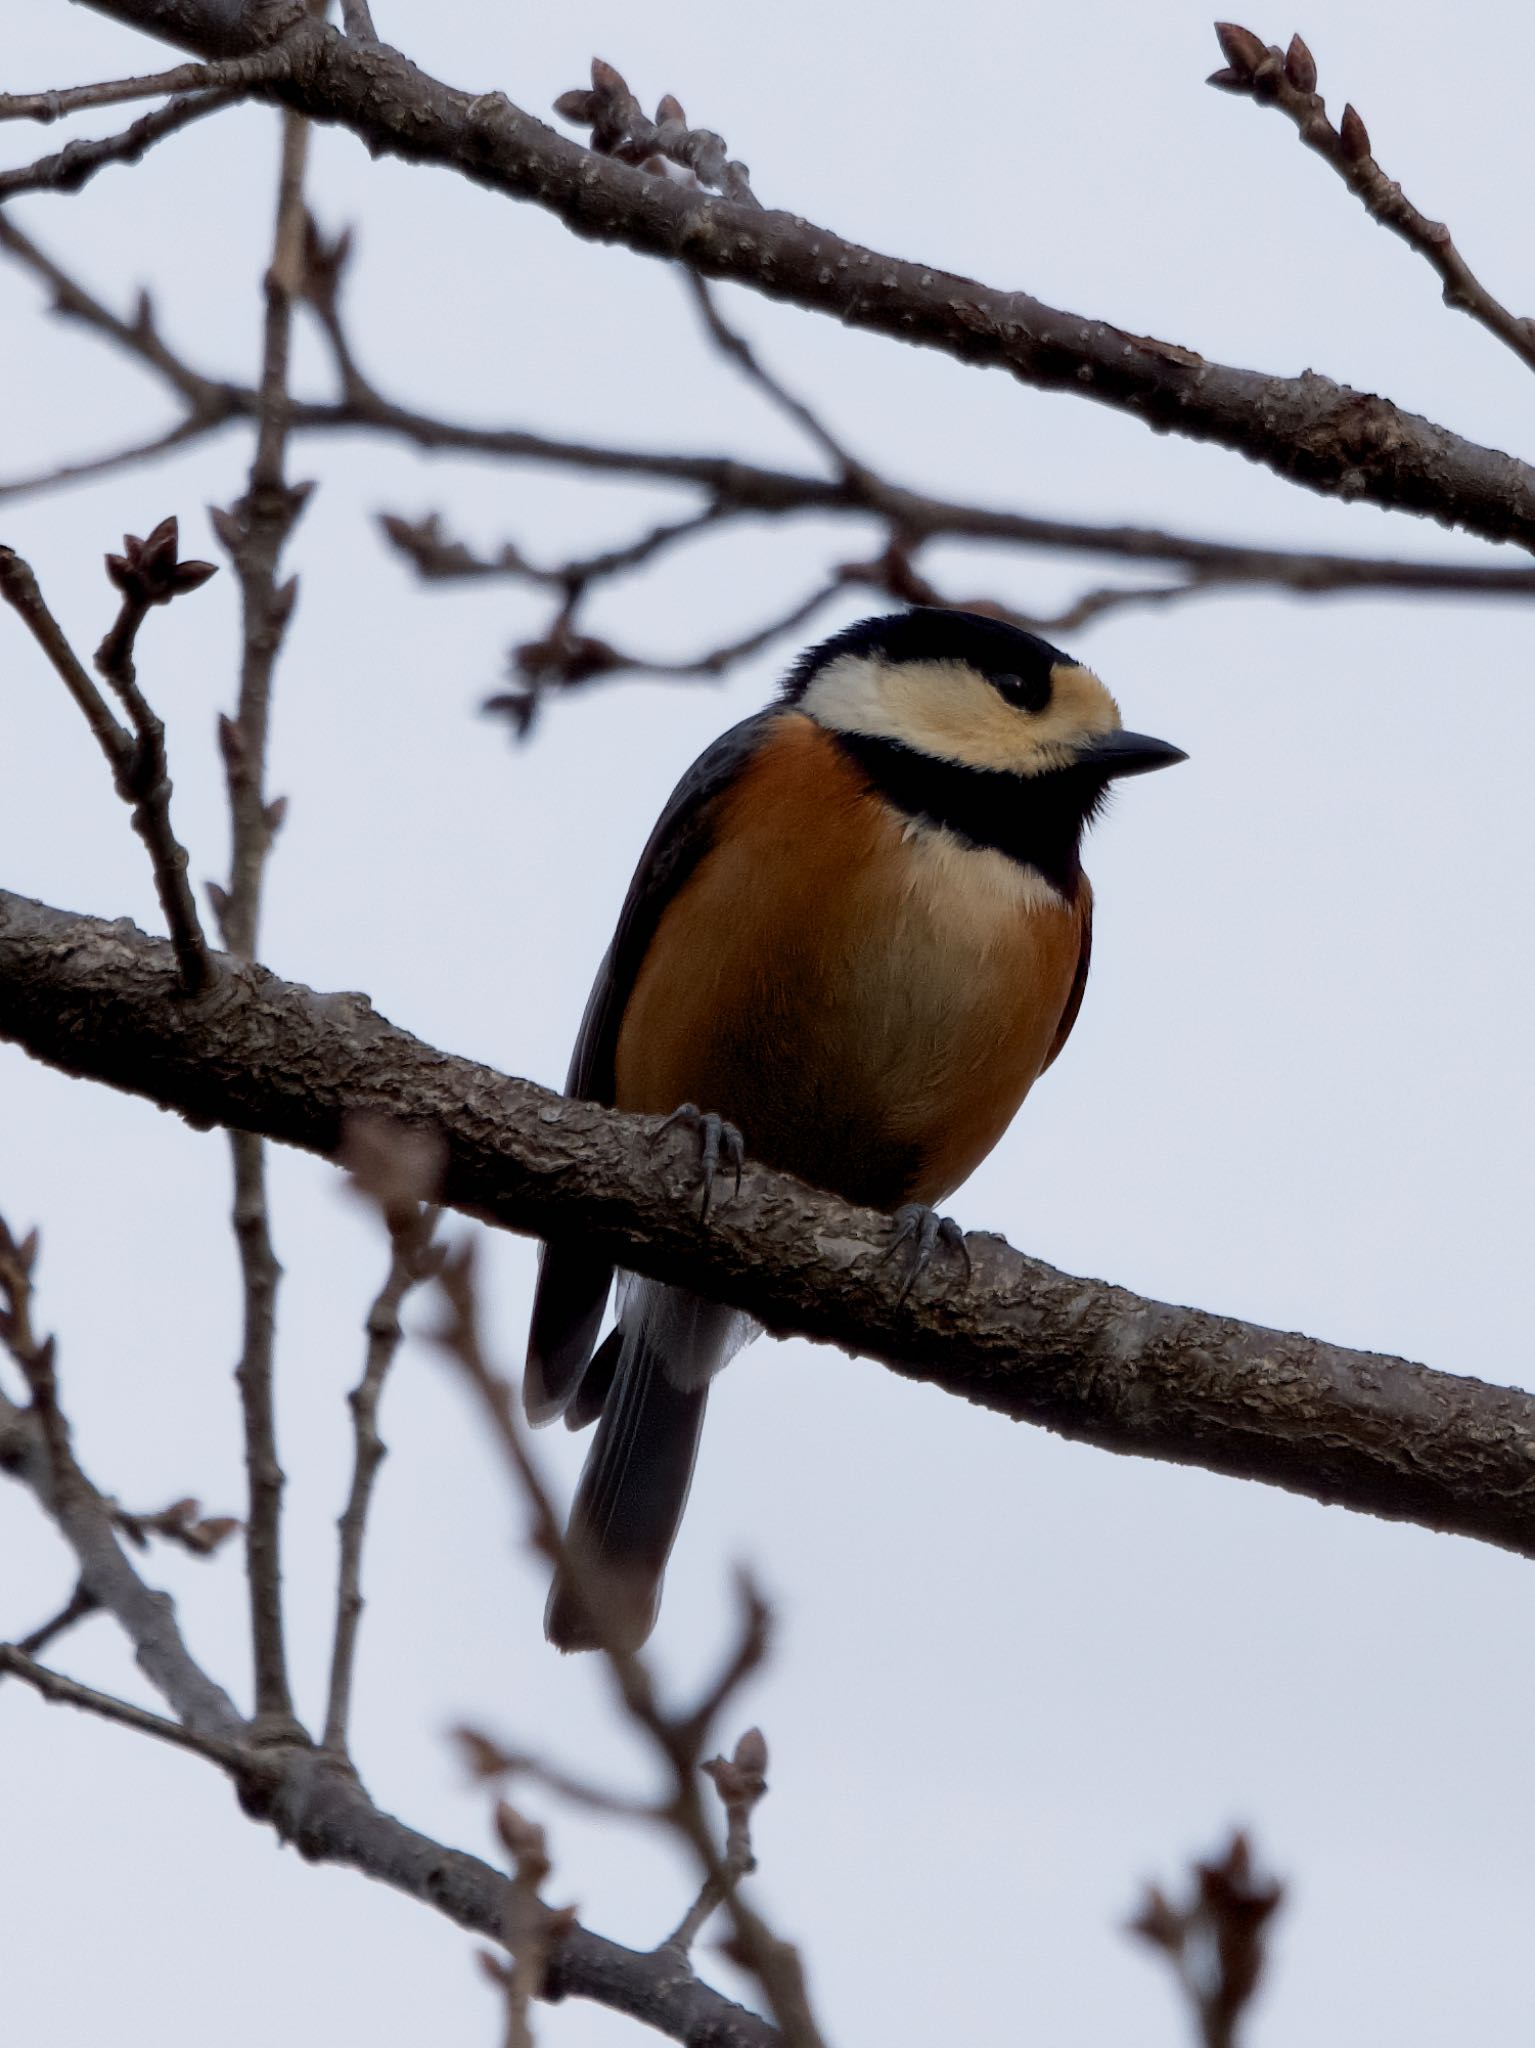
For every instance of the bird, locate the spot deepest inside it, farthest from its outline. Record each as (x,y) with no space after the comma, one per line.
(857,936)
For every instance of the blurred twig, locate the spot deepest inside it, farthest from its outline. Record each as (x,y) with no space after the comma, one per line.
(677,1738)
(729,488)
(1216,1941)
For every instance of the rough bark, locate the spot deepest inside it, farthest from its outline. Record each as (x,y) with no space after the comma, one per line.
(1089,1360)
(1309,429)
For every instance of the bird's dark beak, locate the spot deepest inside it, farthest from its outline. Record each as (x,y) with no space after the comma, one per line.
(1127,753)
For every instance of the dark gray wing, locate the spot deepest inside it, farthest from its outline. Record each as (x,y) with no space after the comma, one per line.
(573,1282)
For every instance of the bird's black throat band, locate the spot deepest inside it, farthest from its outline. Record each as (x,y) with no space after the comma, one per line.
(1037,820)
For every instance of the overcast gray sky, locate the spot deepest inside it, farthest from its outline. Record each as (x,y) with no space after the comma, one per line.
(1014,1677)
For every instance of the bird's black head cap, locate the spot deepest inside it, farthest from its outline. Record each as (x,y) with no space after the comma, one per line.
(1016,663)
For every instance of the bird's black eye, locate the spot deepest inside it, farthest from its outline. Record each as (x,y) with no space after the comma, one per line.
(1026,693)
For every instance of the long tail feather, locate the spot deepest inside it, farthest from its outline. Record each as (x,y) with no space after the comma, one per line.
(634,1487)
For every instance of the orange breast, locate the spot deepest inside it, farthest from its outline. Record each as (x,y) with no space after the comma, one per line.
(870,1001)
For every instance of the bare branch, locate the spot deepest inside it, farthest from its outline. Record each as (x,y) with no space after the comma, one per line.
(35,1448)
(1217,1942)
(1286,81)
(54,1686)
(21,591)
(678,1740)
(532,1928)
(148,572)
(564,659)
(741,1782)
(138,760)
(184,78)
(740,352)
(357,20)
(411,1259)
(78,162)
(81,1604)
(325,1813)
(1091,1361)
(488,1761)
(255,532)
(206,398)
(438,559)
(731,487)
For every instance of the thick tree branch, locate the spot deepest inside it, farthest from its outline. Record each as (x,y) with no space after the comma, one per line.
(1307,429)
(1092,1361)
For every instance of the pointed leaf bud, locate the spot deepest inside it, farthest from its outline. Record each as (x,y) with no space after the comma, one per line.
(1242,50)
(1300,66)
(191,576)
(1355,136)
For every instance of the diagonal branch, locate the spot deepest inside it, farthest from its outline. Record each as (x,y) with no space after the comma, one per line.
(1286,81)
(140,773)
(324,1813)
(234,72)
(1092,1361)
(1307,429)
(731,487)
(67,169)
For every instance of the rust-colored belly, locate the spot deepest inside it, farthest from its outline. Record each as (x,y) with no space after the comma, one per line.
(870,1002)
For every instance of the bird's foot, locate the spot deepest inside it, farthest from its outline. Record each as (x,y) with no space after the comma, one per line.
(923,1229)
(721,1148)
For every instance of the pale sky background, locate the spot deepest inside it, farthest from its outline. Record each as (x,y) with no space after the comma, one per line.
(1014,1677)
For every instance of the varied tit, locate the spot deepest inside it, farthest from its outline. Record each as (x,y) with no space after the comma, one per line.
(860,933)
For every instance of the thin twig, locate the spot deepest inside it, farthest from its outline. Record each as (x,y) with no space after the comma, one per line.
(1286,81)
(731,487)
(137,759)
(254,533)
(78,162)
(21,591)
(563,659)
(357,20)
(746,359)
(531,1928)
(411,1242)
(1217,1942)
(54,1686)
(41,1455)
(81,1603)
(437,559)
(233,72)
(148,572)
(677,1740)
(489,1762)
(740,1782)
